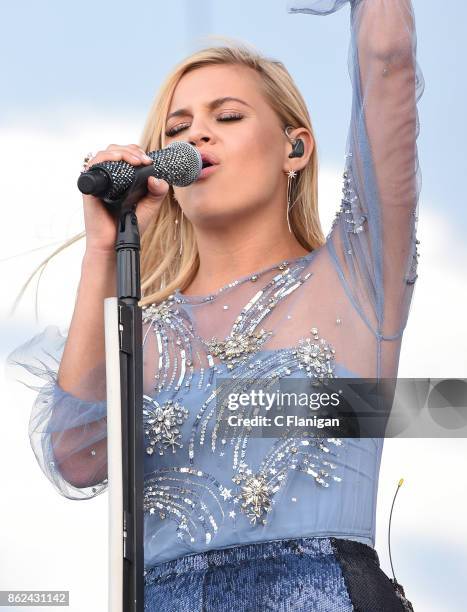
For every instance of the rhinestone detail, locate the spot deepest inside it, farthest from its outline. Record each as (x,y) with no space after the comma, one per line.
(162,425)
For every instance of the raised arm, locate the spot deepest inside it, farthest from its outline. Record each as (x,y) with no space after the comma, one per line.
(373,238)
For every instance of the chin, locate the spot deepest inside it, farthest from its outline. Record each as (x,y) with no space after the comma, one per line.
(213,211)
(197,207)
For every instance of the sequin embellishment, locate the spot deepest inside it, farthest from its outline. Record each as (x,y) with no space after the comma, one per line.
(288,453)
(256,496)
(157,312)
(172,326)
(350,208)
(162,424)
(188,496)
(316,355)
(412,275)
(235,346)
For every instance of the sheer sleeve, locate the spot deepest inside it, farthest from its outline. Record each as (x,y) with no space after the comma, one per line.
(67,432)
(372,241)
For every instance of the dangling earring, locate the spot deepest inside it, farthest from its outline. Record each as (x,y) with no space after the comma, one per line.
(176,220)
(181,226)
(181,234)
(291,174)
(180,231)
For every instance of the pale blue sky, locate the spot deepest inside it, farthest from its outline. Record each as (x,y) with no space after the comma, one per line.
(113,55)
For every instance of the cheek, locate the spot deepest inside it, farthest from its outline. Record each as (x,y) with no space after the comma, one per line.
(255,163)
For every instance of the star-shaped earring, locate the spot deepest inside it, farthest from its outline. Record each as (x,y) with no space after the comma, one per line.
(291,174)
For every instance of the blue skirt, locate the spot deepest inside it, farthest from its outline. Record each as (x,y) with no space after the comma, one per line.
(300,575)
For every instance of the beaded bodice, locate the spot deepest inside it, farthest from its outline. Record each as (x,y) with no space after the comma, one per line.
(189,366)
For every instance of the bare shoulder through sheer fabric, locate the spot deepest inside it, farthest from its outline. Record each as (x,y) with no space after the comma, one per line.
(339,311)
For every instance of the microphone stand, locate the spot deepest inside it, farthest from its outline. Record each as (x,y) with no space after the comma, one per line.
(124,375)
(126,517)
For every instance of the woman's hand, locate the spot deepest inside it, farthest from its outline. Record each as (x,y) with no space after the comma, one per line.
(99,222)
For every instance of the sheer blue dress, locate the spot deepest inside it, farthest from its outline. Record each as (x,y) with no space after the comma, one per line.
(244,522)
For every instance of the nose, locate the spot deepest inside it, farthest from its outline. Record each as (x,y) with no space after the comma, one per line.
(198,138)
(199,132)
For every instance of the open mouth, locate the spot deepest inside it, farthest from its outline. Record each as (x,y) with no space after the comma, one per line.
(207,169)
(209,164)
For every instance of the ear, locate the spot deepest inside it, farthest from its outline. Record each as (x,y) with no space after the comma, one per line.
(298,163)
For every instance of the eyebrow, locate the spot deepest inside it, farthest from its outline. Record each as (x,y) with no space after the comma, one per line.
(212,105)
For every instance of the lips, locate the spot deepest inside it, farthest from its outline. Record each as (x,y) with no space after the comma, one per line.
(210,163)
(209,160)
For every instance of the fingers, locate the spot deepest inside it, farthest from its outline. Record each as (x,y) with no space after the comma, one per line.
(157,187)
(132,153)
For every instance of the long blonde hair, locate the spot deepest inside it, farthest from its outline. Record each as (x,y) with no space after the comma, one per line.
(163,269)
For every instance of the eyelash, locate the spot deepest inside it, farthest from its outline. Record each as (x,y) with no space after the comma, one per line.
(178,128)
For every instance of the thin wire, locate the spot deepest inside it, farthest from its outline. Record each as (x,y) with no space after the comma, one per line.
(389,530)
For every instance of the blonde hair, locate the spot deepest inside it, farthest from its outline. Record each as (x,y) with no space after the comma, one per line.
(163,269)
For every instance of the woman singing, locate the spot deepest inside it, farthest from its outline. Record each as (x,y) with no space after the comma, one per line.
(239,282)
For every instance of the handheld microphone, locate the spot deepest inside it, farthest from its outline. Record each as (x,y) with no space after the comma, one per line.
(179,164)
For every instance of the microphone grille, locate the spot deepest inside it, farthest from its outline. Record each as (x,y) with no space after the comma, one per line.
(179,163)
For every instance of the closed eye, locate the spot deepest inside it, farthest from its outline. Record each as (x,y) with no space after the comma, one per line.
(183,126)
